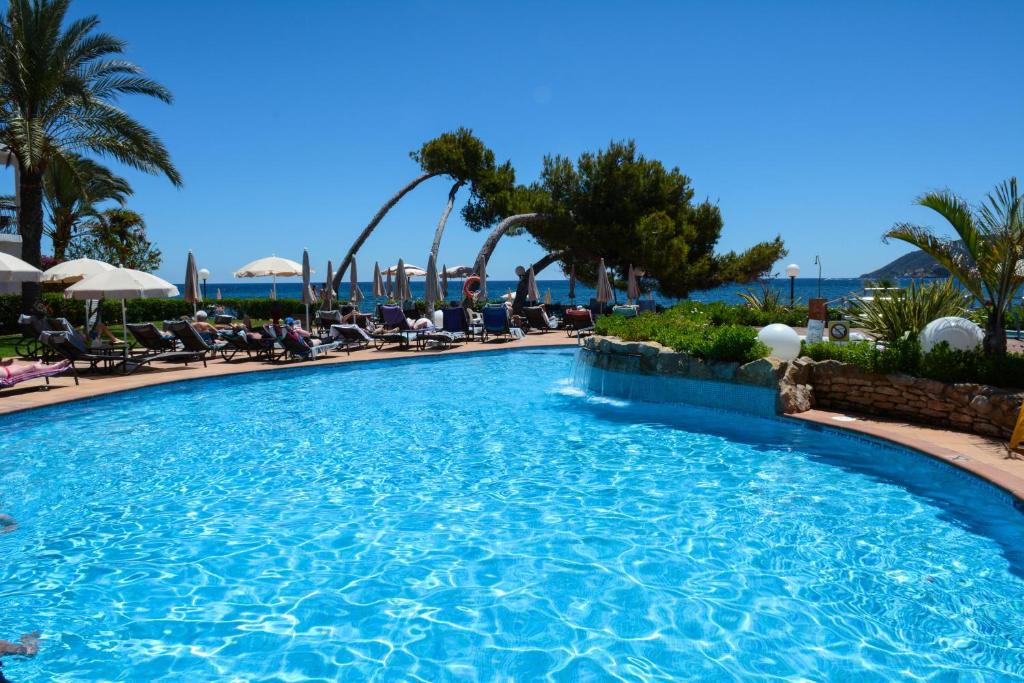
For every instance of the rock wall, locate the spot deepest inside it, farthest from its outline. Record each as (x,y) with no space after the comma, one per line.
(975,408)
(804,384)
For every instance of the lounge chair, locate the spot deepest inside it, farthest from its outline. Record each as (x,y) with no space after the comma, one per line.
(30,326)
(15,372)
(351,337)
(324,320)
(625,311)
(293,346)
(239,341)
(598,308)
(496,321)
(395,329)
(71,347)
(192,341)
(579,321)
(455,320)
(538,319)
(647,306)
(152,339)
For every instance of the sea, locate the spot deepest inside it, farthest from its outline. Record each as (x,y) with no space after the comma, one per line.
(832,289)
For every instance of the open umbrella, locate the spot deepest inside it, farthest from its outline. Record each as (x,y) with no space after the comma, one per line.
(572,283)
(271,266)
(327,293)
(605,293)
(481,272)
(192,293)
(532,293)
(121,283)
(401,283)
(355,294)
(444,282)
(307,297)
(72,271)
(432,289)
(410,270)
(13,269)
(458,271)
(378,282)
(632,286)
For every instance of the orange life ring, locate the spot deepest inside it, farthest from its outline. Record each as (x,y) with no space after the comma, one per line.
(467,290)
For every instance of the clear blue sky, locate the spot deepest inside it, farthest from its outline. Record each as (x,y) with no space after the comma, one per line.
(818,121)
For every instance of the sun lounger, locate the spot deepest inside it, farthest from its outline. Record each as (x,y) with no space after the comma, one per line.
(625,311)
(538,320)
(579,322)
(152,339)
(496,321)
(395,329)
(647,305)
(240,341)
(192,341)
(71,347)
(13,372)
(294,346)
(351,337)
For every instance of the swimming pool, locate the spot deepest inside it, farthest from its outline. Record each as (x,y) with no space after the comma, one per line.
(477,517)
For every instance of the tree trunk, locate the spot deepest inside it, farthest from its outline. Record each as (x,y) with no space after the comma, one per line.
(504,226)
(546,261)
(30,225)
(61,238)
(436,246)
(994,343)
(378,217)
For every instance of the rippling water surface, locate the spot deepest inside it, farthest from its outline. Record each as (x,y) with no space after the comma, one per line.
(476,518)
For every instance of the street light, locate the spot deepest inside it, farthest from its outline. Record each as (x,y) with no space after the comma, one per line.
(792,270)
(817,262)
(203,274)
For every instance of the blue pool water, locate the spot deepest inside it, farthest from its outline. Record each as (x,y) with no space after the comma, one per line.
(480,518)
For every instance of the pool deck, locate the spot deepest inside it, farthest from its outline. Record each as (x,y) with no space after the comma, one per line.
(982,456)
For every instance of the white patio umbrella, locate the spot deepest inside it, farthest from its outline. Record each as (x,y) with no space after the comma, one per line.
(410,270)
(271,266)
(458,271)
(72,271)
(432,289)
(121,283)
(307,294)
(13,269)
(605,293)
(401,283)
(192,293)
(378,282)
(481,272)
(355,294)
(327,294)
(532,293)
(632,286)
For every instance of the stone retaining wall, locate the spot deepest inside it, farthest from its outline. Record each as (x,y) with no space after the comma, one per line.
(804,384)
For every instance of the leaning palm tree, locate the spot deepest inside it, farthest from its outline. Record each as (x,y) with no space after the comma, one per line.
(987,261)
(72,195)
(58,88)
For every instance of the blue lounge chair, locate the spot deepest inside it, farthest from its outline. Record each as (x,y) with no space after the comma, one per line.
(395,329)
(496,321)
(647,305)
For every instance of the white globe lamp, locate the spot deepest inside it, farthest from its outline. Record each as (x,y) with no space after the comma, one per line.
(792,271)
(960,333)
(783,341)
(203,275)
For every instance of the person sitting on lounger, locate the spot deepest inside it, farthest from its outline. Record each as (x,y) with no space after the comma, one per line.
(99,329)
(207,331)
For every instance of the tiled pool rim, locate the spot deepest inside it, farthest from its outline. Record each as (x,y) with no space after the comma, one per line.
(145,381)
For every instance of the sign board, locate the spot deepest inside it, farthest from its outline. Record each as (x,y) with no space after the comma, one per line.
(817,309)
(839,331)
(815,331)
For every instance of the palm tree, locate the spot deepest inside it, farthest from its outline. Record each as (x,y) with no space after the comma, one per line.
(58,88)
(71,196)
(988,262)
(117,236)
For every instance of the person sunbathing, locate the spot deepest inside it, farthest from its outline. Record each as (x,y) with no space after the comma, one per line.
(207,331)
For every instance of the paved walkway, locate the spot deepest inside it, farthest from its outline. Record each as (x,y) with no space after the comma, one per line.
(980,455)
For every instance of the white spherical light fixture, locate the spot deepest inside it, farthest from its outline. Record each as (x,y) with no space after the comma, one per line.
(960,333)
(783,341)
(792,270)
(204,274)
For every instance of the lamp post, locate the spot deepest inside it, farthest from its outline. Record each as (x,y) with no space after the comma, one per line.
(203,274)
(792,270)
(817,262)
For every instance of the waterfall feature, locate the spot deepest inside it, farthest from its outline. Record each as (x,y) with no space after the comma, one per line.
(620,376)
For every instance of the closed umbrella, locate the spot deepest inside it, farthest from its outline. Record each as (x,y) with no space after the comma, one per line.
(327,293)
(547,297)
(389,288)
(218,294)
(444,282)
(271,266)
(13,269)
(572,283)
(432,289)
(121,283)
(378,282)
(401,283)
(605,293)
(355,294)
(532,293)
(481,272)
(192,293)
(632,286)
(307,297)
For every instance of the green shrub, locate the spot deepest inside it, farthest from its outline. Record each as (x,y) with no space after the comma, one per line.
(907,311)
(689,331)
(942,363)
